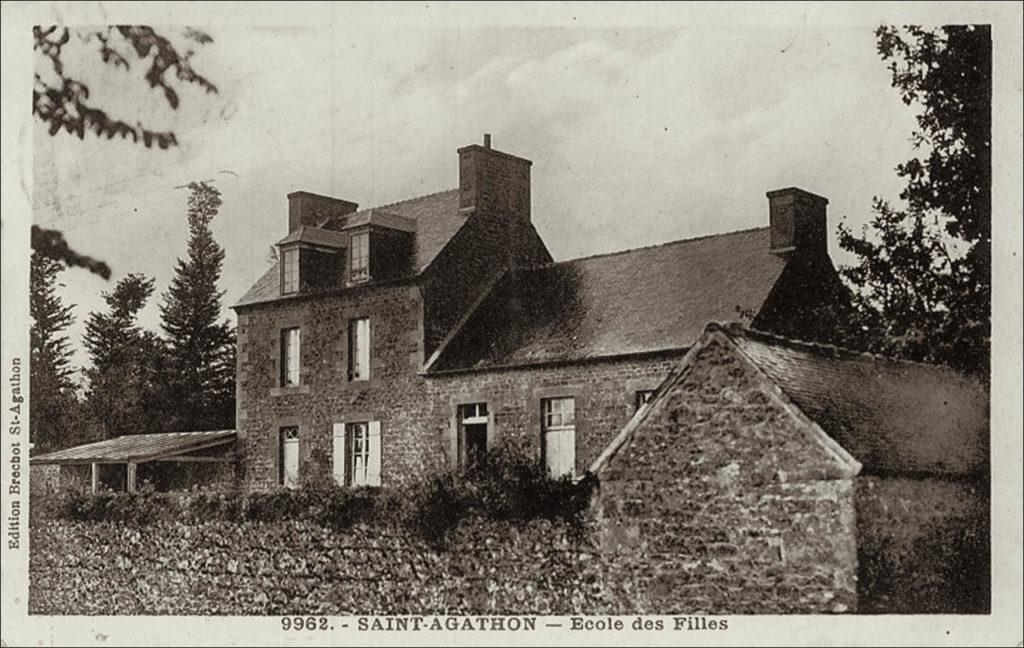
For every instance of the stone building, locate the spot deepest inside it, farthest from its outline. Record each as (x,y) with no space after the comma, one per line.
(773,475)
(735,467)
(422,334)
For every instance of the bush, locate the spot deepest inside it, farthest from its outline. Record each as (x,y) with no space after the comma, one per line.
(131,508)
(508,487)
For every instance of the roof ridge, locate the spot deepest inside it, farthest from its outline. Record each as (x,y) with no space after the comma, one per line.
(399,202)
(834,350)
(602,255)
(383,207)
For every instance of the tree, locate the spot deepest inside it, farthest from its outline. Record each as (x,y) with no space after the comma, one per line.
(922,280)
(127,370)
(64,102)
(200,348)
(54,404)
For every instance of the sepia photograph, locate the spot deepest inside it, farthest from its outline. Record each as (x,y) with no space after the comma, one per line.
(594,323)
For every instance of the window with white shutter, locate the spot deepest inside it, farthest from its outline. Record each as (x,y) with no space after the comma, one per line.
(558,436)
(360,455)
(472,435)
(288,472)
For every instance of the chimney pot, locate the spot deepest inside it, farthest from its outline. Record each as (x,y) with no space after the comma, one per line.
(487,140)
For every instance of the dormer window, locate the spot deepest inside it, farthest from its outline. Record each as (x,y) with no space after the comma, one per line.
(289,270)
(360,257)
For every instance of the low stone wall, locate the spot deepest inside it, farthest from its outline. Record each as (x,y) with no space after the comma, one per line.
(923,546)
(253,568)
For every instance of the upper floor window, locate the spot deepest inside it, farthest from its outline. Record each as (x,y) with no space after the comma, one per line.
(290,356)
(360,255)
(289,270)
(558,435)
(359,349)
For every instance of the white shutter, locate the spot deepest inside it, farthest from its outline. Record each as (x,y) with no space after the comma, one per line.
(568,448)
(291,463)
(338,454)
(373,462)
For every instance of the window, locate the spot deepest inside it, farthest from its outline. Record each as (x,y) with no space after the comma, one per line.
(289,270)
(357,453)
(558,436)
(288,471)
(359,349)
(472,442)
(290,357)
(360,245)
(643,396)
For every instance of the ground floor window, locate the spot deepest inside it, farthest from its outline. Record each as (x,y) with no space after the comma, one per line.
(357,453)
(288,473)
(473,421)
(643,396)
(558,436)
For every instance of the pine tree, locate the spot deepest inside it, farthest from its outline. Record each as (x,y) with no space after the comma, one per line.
(126,375)
(201,349)
(53,410)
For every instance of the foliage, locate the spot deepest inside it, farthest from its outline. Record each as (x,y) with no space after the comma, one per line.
(51,244)
(127,372)
(200,349)
(54,404)
(510,489)
(50,317)
(922,280)
(64,102)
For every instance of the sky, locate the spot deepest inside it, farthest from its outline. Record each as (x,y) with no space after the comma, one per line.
(642,129)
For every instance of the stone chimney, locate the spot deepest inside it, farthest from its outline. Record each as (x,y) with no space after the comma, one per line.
(493,182)
(798,222)
(310,209)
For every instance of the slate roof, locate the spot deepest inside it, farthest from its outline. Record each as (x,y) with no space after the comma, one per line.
(315,236)
(435,217)
(136,447)
(644,300)
(374,216)
(894,416)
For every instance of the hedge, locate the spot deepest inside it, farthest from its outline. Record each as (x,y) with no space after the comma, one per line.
(505,488)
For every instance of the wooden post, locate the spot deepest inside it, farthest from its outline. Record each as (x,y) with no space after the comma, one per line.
(95,478)
(131,476)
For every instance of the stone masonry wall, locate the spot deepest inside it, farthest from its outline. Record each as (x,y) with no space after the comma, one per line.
(255,568)
(722,502)
(923,545)
(416,413)
(393,394)
(605,394)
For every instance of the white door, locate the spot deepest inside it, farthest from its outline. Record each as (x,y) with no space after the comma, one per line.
(290,462)
(560,452)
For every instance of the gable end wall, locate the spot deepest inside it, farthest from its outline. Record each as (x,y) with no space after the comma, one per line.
(721,502)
